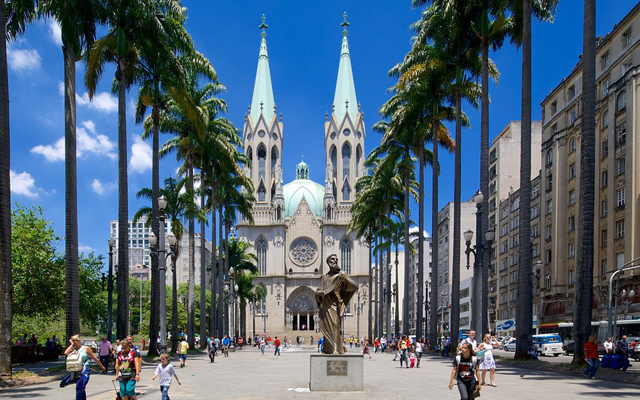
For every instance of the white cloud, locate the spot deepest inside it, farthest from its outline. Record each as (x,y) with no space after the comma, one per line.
(141,156)
(86,143)
(101,188)
(54,31)
(23,184)
(102,102)
(85,249)
(23,60)
(61,88)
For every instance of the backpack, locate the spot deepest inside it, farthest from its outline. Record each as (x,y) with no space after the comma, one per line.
(74,361)
(474,360)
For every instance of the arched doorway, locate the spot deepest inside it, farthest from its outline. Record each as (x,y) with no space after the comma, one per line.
(301,309)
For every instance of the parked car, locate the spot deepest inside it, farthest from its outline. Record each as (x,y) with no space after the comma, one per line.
(510,346)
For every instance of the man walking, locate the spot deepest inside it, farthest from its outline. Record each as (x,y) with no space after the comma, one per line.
(276,343)
(623,349)
(591,351)
(225,345)
(105,353)
(471,340)
(211,348)
(608,346)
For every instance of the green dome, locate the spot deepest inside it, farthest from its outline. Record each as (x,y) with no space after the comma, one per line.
(294,191)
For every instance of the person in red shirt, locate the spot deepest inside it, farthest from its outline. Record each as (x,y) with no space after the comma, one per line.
(276,343)
(591,352)
(376,344)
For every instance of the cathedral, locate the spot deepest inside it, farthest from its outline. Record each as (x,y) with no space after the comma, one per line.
(297,225)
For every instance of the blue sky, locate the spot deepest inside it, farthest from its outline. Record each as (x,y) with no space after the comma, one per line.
(304,41)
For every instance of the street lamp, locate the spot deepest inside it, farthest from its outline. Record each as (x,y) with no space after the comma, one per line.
(480,276)
(627,300)
(536,274)
(387,287)
(162,255)
(232,301)
(112,243)
(236,312)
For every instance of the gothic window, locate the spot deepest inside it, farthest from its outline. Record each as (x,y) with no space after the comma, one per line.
(261,250)
(303,251)
(262,192)
(261,304)
(333,155)
(346,190)
(358,159)
(345,255)
(346,160)
(274,160)
(262,161)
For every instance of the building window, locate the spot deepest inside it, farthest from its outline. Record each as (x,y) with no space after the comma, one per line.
(573,115)
(514,277)
(620,229)
(605,88)
(515,241)
(572,145)
(345,255)
(572,197)
(550,157)
(572,223)
(572,250)
(549,206)
(571,281)
(346,160)
(548,235)
(626,40)
(535,231)
(622,166)
(605,60)
(620,195)
(554,107)
(605,118)
(621,134)
(547,281)
(505,246)
(603,267)
(514,295)
(534,212)
(605,208)
(572,91)
(261,252)
(604,237)
(621,102)
(548,257)
(549,182)
(619,260)
(605,148)
(503,298)
(505,264)
(605,178)
(572,171)
(505,229)
(535,192)
(262,161)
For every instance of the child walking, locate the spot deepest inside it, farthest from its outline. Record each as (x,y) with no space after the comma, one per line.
(166,372)
(412,357)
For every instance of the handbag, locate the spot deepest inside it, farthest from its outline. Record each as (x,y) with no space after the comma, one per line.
(480,355)
(475,394)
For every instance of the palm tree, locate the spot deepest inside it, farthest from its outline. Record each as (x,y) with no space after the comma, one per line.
(584,281)
(130,22)
(245,268)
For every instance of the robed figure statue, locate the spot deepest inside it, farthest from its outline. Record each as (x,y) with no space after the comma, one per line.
(335,291)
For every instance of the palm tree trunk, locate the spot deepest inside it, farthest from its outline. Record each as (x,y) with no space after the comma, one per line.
(243,318)
(455,273)
(407,218)
(203,269)
(213,323)
(370,311)
(385,318)
(374,290)
(380,317)
(433,299)
(72,274)
(221,277)
(419,305)
(6,290)
(484,163)
(397,313)
(584,281)
(523,308)
(154,313)
(226,268)
(174,301)
(122,325)
(191,290)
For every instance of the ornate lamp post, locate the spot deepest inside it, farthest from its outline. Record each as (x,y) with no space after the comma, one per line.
(162,255)
(480,305)
(627,300)
(112,243)
(536,274)
(388,287)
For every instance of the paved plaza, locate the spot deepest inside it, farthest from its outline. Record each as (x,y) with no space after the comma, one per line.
(249,375)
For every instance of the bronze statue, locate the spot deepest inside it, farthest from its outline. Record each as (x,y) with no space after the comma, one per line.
(333,295)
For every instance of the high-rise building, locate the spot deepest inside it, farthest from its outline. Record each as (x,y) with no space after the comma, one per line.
(617,176)
(414,282)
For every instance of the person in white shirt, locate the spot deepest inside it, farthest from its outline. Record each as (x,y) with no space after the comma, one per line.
(166,373)
(471,340)
(608,346)
(419,347)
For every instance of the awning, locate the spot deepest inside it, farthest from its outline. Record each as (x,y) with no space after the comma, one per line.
(551,324)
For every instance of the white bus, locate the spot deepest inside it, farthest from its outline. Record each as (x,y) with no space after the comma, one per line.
(548,344)
(599,329)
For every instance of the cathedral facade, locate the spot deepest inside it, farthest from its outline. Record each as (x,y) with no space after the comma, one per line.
(297,225)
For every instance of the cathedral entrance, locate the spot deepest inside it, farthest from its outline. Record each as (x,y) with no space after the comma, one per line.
(300,310)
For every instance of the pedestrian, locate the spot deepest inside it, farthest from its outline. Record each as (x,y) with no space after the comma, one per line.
(488,363)
(211,349)
(471,340)
(216,342)
(412,357)
(240,341)
(128,365)
(311,340)
(262,344)
(320,344)
(78,365)
(591,352)
(276,343)
(104,351)
(446,344)
(365,348)
(350,341)
(166,372)
(402,346)
(623,350)
(383,344)
(465,371)
(376,345)
(419,350)
(608,346)
(183,347)
(225,345)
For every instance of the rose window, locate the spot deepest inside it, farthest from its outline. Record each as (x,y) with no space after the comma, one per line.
(303,251)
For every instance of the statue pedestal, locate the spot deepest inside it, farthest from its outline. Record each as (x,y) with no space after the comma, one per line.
(337,372)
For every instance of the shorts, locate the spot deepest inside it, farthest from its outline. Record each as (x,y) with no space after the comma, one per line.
(183,357)
(128,388)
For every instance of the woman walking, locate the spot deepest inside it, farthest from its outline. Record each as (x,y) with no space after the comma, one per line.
(365,348)
(465,371)
(404,356)
(488,363)
(128,367)
(79,377)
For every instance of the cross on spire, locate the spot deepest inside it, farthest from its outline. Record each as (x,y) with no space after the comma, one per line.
(344,24)
(263,26)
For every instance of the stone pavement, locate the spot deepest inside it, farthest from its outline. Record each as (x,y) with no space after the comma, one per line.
(248,375)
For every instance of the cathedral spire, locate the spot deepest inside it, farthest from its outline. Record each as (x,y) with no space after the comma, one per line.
(263,101)
(345,100)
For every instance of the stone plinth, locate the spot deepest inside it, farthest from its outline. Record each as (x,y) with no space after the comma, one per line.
(337,373)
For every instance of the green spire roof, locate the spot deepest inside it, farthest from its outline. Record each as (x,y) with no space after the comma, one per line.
(345,100)
(263,101)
